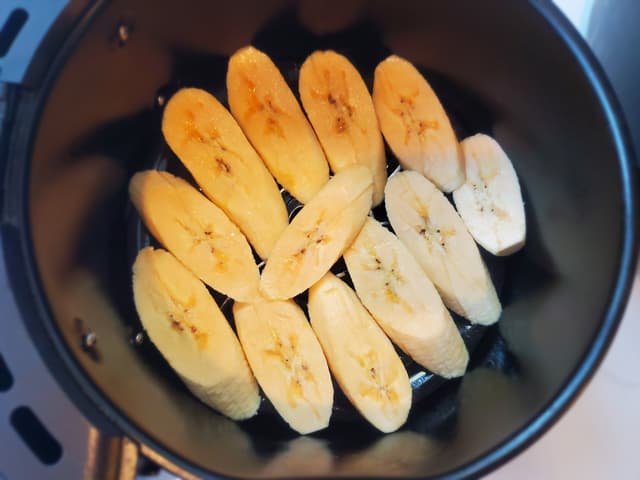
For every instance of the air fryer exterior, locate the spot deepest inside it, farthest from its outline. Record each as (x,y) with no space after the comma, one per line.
(60,339)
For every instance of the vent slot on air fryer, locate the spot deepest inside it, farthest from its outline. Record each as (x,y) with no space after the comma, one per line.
(11,29)
(6,379)
(35,435)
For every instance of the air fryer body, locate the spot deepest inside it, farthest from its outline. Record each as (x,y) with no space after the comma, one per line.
(505,68)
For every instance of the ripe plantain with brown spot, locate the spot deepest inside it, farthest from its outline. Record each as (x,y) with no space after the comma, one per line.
(271,117)
(341,111)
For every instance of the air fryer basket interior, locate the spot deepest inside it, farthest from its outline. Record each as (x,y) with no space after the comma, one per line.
(500,68)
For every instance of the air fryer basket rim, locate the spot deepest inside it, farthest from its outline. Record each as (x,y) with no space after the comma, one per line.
(29,290)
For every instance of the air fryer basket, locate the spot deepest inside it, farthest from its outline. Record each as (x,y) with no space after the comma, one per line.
(515,70)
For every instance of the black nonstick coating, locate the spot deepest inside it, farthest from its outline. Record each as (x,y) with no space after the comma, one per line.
(516,70)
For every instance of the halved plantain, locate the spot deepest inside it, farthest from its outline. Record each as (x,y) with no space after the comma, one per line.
(271,117)
(287,360)
(319,234)
(341,111)
(360,356)
(209,142)
(188,328)
(490,201)
(435,234)
(404,302)
(415,125)
(197,232)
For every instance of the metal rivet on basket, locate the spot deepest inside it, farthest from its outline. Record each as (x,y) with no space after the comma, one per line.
(89,340)
(139,338)
(123,34)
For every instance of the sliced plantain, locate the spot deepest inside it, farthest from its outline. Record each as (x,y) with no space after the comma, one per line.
(415,124)
(435,234)
(197,232)
(287,360)
(341,111)
(360,356)
(271,117)
(186,325)
(209,142)
(319,234)
(490,201)
(404,302)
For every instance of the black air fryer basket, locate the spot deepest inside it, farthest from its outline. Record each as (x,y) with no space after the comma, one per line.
(83,115)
